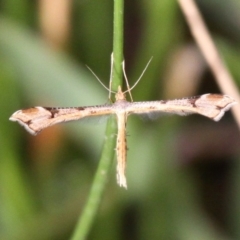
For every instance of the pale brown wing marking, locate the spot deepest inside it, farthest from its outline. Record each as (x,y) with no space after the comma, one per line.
(29,118)
(37,118)
(214,105)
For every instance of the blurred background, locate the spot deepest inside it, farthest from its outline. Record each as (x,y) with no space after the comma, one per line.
(183,172)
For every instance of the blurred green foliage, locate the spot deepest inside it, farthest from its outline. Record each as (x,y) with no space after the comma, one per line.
(45,180)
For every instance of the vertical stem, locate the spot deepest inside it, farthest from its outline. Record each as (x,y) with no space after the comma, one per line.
(117,43)
(89,213)
(92,205)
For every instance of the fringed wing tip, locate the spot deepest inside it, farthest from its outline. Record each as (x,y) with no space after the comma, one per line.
(231,102)
(22,123)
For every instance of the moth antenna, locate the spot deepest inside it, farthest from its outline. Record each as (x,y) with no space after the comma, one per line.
(95,75)
(144,70)
(111,75)
(126,80)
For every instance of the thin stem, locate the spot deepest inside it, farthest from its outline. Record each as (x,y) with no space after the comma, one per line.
(99,183)
(210,52)
(117,44)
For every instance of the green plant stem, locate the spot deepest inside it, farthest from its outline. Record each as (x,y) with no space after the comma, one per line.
(117,43)
(90,210)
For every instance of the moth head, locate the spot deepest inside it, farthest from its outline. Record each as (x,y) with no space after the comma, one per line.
(120,95)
